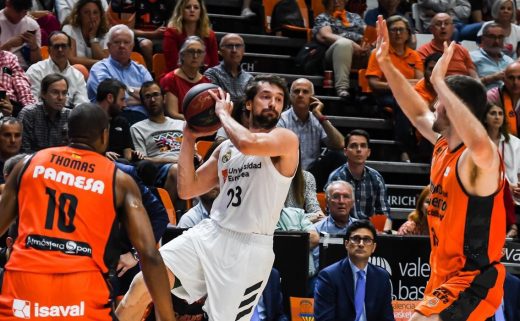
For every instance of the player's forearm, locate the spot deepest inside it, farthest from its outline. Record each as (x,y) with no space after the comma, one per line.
(238,134)
(186,177)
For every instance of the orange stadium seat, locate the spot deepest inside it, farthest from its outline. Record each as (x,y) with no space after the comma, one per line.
(44,51)
(302,309)
(158,64)
(362,81)
(137,57)
(379,221)
(168,205)
(322,200)
(203,146)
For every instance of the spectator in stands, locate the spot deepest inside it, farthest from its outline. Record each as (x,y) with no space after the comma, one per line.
(159,138)
(10,141)
(119,66)
(369,186)
(509,148)
(410,65)
(19,33)
(424,86)
(228,74)
(442,29)
(417,223)
(342,32)
(65,7)
(111,97)
(200,211)
(508,96)
(190,18)
(504,14)
(305,118)
(45,123)
(87,25)
(353,288)
(489,59)
(15,84)
(58,62)
(178,82)
(340,202)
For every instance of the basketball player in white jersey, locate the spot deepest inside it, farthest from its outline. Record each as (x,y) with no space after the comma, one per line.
(229,256)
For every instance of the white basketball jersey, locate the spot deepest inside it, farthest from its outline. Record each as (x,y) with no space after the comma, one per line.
(252,192)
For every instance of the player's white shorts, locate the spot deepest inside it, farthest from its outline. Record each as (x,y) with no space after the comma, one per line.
(231,268)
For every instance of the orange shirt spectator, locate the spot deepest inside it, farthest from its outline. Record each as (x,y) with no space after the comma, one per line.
(460,64)
(425,92)
(407,64)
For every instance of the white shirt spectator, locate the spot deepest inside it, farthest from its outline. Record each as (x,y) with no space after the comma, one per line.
(82,50)
(64,7)
(9,30)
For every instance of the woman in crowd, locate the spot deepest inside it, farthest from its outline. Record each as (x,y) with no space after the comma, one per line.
(410,64)
(509,148)
(342,32)
(87,26)
(190,18)
(176,83)
(504,13)
(417,223)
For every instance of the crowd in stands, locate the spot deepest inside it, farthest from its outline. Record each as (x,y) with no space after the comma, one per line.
(55,55)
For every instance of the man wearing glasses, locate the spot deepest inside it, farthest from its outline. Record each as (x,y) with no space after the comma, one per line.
(489,58)
(58,62)
(228,75)
(442,29)
(45,123)
(353,289)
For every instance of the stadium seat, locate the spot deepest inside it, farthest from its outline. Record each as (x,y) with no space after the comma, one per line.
(302,308)
(202,147)
(362,81)
(317,7)
(44,50)
(83,70)
(137,57)
(379,221)
(168,205)
(158,64)
(322,200)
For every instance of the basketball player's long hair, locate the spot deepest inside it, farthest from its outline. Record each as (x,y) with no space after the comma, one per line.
(203,25)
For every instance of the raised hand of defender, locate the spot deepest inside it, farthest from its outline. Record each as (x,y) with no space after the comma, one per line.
(382,42)
(441,67)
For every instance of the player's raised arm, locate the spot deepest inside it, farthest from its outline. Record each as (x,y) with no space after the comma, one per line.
(9,200)
(411,103)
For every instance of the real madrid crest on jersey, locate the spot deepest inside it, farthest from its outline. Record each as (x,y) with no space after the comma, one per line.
(226,157)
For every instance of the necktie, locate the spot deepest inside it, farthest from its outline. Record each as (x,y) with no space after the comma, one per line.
(359,296)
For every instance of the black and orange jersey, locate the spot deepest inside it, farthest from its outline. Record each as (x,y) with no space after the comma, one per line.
(467,234)
(67,216)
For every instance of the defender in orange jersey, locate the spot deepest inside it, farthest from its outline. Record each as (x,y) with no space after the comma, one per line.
(466,215)
(70,202)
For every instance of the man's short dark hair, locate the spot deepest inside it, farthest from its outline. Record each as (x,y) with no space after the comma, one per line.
(21,5)
(359,224)
(148,84)
(10,120)
(471,92)
(433,57)
(59,32)
(109,86)
(357,132)
(252,88)
(86,123)
(48,80)
(489,26)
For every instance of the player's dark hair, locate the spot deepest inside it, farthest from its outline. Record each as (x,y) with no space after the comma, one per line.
(109,86)
(146,85)
(471,92)
(48,80)
(86,123)
(357,132)
(356,225)
(252,88)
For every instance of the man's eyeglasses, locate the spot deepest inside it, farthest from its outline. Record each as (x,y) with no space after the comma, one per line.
(494,37)
(194,53)
(59,46)
(233,46)
(356,239)
(152,95)
(398,30)
(441,24)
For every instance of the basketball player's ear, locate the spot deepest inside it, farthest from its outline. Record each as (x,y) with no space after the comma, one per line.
(249,105)
(110,98)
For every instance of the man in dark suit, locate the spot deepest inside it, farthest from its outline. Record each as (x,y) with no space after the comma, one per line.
(353,289)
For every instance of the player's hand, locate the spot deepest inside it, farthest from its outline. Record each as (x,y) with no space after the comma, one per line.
(126,262)
(223,103)
(441,67)
(382,42)
(190,133)
(112,155)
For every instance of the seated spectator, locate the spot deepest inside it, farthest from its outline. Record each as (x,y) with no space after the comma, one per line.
(178,82)
(58,62)
(305,118)
(489,59)
(442,29)
(159,138)
(508,96)
(45,123)
(417,223)
(8,167)
(15,84)
(228,74)
(410,65)
(200,211)
(369,185)
(19,33)
(119,66)
(509,148)
(424,87)
(353,288)
(43,13)
(504,14)
(87,26)
(189,18)
(342,32)
(65,7)
(10,141)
